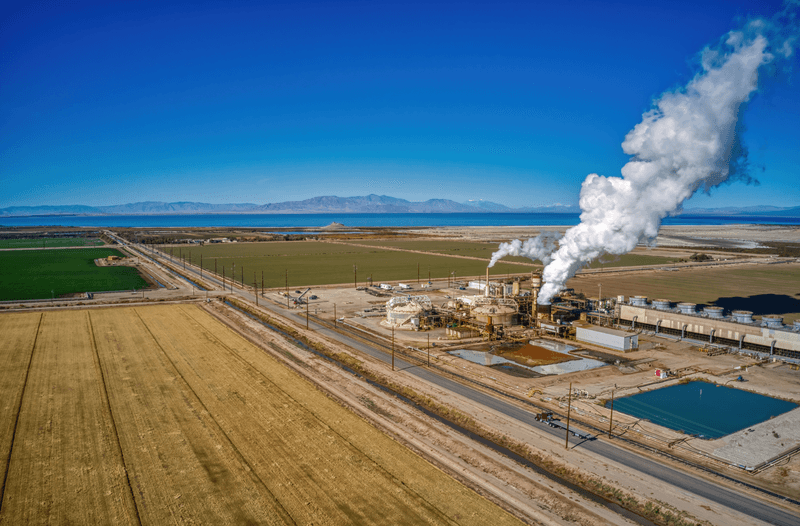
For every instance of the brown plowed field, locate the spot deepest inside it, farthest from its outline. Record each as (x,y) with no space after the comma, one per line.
(207,427)
(65,465)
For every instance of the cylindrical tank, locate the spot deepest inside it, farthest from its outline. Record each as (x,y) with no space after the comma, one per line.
(499,314)
(796,326)
(639,301)
(772,322)
(515,289)
(714,312)
(408,313)
(687,308)
(662,304)
(742,316)
(536,281)
(620,299)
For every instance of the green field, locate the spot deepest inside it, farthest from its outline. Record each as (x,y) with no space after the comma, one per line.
(451,248)
(485,251)
(37,274)
(319,263)
(50,242)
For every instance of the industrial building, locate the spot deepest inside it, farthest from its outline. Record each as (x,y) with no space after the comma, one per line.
(737,330)
(605,337)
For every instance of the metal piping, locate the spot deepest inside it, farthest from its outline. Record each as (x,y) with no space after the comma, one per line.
(711,336)
(658,324)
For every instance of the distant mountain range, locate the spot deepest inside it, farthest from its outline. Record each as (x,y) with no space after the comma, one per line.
(369,204)
(763,210)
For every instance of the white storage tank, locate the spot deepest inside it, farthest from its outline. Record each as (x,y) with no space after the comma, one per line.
(499,314)
(687,308)
(714,312)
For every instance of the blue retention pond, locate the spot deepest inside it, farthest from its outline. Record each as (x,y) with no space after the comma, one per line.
(702,408)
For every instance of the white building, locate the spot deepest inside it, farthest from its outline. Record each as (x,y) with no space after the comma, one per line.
(609,338)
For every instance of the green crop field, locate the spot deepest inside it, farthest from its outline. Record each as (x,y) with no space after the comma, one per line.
(450,248)
(319,263)
(37,274)
(485,251)
(50,242)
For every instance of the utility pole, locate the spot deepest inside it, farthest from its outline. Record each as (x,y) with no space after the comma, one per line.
(334,315)
(215,267)
(255,286)
(262,282)
(417,272)
(569,407)
(429,349)
(611,420)
(355,276)
(223,278)
(393,347)
(287,287)
(242,278)
(201,265)
(307,314)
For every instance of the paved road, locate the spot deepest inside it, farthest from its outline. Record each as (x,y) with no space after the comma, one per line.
(684,481)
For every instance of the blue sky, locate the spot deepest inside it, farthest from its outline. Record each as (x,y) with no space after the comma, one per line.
(223,102)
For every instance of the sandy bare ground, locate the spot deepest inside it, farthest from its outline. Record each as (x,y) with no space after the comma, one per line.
(670,235)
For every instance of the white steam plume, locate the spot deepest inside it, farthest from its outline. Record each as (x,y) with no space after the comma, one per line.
(540,248)
(688,141)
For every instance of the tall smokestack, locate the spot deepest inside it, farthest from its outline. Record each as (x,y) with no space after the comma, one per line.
(688,141)
(486,291)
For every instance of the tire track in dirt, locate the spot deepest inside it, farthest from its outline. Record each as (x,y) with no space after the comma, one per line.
(10,345)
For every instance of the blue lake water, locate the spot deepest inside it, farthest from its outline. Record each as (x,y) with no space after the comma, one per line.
(357,220)
(702,408)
